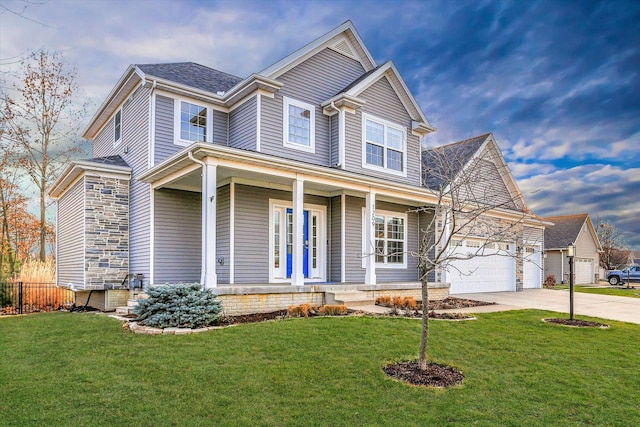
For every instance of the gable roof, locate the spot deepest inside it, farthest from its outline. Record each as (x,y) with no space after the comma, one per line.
(566,229)
(102,166)
(192,74)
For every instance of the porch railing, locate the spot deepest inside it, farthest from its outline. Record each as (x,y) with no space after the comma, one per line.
(30,297)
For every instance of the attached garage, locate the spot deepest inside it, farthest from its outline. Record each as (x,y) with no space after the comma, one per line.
(584,273)
(532,267)
(492,271)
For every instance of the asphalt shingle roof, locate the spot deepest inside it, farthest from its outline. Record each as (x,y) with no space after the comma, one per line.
(442,164)
(565,230)
(109,160)
(192,74)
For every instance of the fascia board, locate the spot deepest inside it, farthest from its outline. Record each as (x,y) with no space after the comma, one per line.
(276,69)
(93,127)
(76,168)
(594,234)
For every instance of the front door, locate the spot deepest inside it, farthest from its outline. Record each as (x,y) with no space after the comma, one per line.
(305,242)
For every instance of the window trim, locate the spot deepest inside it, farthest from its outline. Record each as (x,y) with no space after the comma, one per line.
(405,239)
(386,124)
(117,141)
(177,104)
(286,102)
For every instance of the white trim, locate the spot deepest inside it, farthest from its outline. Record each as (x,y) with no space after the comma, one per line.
(209,223)
(279,276)
(286,102)
(152,234)
(258,121)
(341,138)
(368,247)
(232,232)
(386,124)
(343,238)
(297,271)
(117,142)
(177,140)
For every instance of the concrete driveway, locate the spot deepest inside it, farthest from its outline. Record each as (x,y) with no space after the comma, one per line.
(624,309)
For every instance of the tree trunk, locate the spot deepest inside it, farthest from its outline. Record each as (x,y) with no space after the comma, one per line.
(424,338)
(43,224)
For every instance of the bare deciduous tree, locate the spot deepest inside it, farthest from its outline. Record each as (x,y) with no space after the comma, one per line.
(468,192)
(42,121)
(614,252)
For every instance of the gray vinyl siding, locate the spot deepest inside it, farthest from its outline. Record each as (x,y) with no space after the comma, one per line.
(178,236)
(425,219)
(553,265)
(335,233)
(353,247)
(533,236)
(103,142)
(486,186)
(314,81)
(381,102)
(136,132)
(242,126)
(410,274)
(163,141)
(164,133)
(223,233)
(70,238)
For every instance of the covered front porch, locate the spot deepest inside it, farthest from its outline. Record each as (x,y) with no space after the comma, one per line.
(232,219)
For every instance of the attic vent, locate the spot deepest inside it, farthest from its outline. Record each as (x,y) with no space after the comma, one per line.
(342,46)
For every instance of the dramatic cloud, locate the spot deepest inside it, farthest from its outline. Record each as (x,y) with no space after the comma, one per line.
(557,82)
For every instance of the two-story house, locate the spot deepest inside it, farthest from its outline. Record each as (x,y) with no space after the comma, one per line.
(305,173)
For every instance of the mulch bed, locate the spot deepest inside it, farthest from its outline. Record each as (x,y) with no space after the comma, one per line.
(449,303)
(577,323)
(251,318)
(435,375)
(449,316)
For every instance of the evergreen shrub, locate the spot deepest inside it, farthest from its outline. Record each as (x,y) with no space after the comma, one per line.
(182,305)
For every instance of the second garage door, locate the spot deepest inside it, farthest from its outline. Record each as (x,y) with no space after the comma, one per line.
(532,267)
(492,272)
(584,271)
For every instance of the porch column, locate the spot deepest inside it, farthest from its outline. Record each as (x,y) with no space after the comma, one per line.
(297,272)
(370,255)
(209,278)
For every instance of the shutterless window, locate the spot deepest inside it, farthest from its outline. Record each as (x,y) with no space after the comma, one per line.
(390,239)
(117,127)
(384,145)
(193,122)
(299,125)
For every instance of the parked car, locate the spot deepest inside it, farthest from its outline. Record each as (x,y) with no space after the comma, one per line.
(631,274)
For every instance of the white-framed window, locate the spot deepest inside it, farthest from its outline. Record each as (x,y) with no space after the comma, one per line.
(390,239)
(192,122)
(117,127)
(384,145)
(299,120)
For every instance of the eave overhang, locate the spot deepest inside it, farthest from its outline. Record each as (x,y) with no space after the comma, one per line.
(82,167)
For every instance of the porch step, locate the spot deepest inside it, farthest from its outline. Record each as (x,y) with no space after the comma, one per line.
(128,309)
(348,298)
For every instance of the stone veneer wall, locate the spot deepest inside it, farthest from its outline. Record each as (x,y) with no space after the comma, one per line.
(106,231)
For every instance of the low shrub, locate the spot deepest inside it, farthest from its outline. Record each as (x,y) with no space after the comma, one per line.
(302,310)
(384,301)
(183,305)
(333,310)
(550,281)
(410,303)
(397,301)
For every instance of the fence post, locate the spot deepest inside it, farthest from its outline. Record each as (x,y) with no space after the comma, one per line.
(19,297)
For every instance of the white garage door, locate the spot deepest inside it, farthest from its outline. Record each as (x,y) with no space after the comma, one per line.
(494,271)
(532,267)
(584,271)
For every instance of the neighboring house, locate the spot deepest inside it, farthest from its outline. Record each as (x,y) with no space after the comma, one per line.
(577,229)
(200,176)
(500,268)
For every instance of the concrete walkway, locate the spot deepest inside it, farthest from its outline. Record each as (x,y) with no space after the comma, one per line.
(610,307)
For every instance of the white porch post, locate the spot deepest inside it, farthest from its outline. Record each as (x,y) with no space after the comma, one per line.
(297,272)
(209,278)
(370,255)
(343,238)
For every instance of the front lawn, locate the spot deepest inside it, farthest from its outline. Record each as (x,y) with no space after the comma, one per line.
(616,291)
(84,369)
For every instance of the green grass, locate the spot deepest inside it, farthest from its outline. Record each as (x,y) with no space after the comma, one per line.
(620,292)
(84,369)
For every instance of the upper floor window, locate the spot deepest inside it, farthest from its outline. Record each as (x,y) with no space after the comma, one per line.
(299,125)
(384,145)
(192,122)
(117,128)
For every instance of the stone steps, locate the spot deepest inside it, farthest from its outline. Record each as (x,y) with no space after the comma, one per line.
(127,310)
(348,298)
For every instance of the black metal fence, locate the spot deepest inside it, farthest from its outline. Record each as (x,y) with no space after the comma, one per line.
(29,297)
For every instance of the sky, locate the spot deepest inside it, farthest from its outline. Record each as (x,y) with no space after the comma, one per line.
(557,82)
